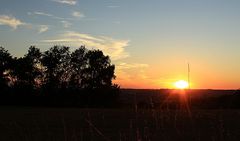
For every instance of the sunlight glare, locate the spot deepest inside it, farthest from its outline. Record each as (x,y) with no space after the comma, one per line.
(181,84)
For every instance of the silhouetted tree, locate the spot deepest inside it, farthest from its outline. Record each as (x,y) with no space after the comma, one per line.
(33,57)
(56,62)
(28,69)
(5,63)
(78,64)
(81,77)
(99,71)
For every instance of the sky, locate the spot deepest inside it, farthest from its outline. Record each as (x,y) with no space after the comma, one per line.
(150,41)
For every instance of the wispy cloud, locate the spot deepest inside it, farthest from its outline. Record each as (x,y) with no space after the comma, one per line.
(127,72)
(113,6)
(123,66)
(45,14)
(43,28)
(10,21)
(41,13)
(112,47)
(66,24)
(78,14)
(69,2)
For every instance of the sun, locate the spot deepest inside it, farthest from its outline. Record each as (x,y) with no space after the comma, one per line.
(181,84)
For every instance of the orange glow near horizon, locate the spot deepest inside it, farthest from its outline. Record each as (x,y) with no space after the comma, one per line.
(166,78)
(170,84)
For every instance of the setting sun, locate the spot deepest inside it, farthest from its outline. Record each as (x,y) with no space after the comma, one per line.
(181,84)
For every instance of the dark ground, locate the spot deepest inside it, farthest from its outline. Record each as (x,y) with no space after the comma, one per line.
(142,115)
(73,124)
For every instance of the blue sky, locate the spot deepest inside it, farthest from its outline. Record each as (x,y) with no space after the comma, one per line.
(150,41)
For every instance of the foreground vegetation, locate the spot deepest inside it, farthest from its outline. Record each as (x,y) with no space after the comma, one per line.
(143,115)
(73,124)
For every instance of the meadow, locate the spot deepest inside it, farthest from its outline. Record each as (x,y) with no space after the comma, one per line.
(131,121)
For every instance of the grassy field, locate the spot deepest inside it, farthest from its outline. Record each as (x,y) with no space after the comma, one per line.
(75,124)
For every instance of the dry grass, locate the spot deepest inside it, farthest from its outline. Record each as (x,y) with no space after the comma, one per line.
(73,124)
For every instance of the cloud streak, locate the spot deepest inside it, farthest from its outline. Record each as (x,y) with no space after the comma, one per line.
(129,71)
(69,2)
(126,72)
(43,28)
(78,14)
(42,14)
(10,21)
(123,66)
(45,14)
(112,47)
(113,6)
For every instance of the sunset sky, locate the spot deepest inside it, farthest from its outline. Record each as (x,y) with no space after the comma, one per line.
(150,41)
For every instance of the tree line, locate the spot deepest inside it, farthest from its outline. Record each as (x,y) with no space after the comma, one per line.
(57,71)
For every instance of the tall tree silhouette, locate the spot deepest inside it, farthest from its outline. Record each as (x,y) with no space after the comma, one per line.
(5,65)
(56,62)
(35,74)
(99,71)
(28,70)
(78,64)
